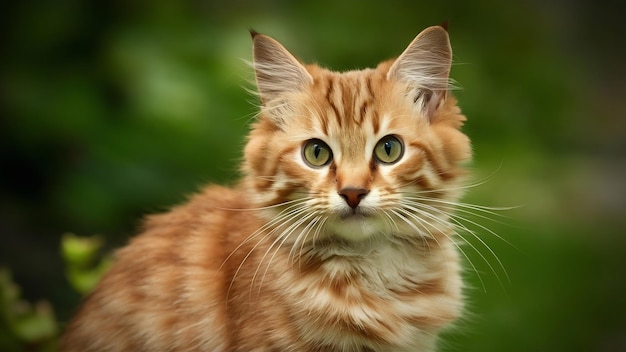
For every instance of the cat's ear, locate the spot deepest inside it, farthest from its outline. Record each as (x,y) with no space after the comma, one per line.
(425,67)
(277,71)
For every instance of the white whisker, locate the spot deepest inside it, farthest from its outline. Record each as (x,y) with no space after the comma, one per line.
(304,235)
(280,240)
(416,207)
(264,207)
(406,216)
(432,217)
(285,213)
(470,209)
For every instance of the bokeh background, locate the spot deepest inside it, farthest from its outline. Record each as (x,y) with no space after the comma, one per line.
(114,109)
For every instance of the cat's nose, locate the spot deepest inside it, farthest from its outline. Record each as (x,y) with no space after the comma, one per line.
(353,196)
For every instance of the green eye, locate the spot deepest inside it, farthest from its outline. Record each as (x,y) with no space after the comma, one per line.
(388,150)
(316,153)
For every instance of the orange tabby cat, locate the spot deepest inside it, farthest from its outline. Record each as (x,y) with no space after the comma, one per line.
(338,237)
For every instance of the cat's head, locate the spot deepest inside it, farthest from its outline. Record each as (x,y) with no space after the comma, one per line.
(358,154)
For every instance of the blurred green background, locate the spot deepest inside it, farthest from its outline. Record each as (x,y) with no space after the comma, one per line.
(114,109)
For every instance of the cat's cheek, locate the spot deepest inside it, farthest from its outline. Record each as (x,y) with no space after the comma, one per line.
(456,145)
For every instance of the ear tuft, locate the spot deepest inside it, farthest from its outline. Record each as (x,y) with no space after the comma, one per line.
(425,67)
(277,71)
(445,25)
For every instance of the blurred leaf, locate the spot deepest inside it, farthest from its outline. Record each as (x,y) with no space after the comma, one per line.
(30,328)
(36,324)
(84,264)
(80,251)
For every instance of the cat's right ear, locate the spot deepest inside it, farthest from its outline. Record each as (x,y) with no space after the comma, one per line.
(425,67)
(276,70)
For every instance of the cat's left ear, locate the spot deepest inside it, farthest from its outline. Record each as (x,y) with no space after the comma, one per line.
(425,67)
(277,71)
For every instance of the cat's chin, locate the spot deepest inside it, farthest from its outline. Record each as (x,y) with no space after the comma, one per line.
(356,227)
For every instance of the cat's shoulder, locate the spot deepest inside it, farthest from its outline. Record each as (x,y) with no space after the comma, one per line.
(211,201)
(204,217)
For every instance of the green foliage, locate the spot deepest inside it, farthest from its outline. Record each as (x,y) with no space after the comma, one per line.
(84,266)
(34,327)
(24,326)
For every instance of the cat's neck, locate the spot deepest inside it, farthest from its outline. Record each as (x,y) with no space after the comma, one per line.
(382,264)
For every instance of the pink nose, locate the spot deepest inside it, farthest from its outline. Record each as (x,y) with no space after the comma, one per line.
(353,196)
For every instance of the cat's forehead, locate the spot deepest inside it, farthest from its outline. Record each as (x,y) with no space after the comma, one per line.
(346,100)
(352,107)
(350,111)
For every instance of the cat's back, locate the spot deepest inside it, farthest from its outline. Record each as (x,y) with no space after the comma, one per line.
(166,277)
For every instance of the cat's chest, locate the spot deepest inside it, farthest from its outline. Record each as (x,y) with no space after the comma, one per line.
(365,300)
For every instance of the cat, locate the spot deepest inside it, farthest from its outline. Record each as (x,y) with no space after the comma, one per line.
(337,238)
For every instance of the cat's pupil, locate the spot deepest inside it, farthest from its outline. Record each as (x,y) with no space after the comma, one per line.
(317,150)
(388,148)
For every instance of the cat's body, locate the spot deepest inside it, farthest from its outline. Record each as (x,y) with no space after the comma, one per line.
(336,239)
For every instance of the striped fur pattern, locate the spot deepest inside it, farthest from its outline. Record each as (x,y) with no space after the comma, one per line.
(338,237)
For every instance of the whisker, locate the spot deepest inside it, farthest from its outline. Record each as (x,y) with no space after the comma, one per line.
(481,208)
(398,212)
(318,230)
(454,243)
(265,207)
(285,234)
(473,233)
(285,213)
(389,220)
(270,223)
(302,235)
(462,218)
(311,226)
(474,184)
(284,220)
(471,209)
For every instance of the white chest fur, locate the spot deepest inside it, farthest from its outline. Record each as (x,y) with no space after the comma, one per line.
(383,295)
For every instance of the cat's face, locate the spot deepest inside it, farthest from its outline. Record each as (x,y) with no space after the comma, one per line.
(353,155)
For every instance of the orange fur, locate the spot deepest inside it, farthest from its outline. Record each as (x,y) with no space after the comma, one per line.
(283,261)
